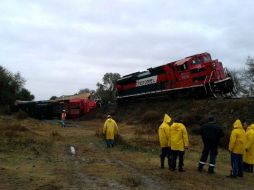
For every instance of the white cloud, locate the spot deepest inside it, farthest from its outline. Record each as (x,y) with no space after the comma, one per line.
(61,46)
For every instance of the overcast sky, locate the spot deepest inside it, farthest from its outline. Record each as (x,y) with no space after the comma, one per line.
(61,46)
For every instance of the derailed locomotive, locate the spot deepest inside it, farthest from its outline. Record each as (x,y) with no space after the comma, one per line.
(48,109)
(197,75)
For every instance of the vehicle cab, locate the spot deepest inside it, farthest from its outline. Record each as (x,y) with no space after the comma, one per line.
(199,69)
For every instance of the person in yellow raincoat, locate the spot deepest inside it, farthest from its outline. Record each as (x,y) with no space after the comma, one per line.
(110,129)
(179,142)
(164,138)
(249,148)
(237,149)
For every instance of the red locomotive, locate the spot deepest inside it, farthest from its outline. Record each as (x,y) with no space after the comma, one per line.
(79,107)
(75,107)
(197,75)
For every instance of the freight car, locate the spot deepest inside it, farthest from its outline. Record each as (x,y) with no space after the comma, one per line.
(52,109)
(197,75)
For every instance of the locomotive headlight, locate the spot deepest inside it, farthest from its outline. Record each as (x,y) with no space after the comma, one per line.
(214,65)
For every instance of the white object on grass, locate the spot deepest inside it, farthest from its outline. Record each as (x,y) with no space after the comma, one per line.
(73,151)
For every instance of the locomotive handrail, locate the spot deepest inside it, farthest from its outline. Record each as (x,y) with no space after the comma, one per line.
(210,84)
(204,84)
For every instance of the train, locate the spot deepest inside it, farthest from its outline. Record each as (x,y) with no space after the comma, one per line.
(49,109)
(197,76)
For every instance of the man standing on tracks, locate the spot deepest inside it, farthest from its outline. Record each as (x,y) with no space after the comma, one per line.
(110,129)
(237,149)
(211,134)
(164,137)
(63,116)
(179,142)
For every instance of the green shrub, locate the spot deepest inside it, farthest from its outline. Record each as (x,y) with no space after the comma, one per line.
(193,118)
(150,122)
(151,116)
(21,115)
(146,129)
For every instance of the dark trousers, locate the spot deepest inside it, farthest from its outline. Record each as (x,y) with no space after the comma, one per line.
(165,152)
(110,143)
(237,164)
(175,155)
(62,123)
(248,167)
(208,150)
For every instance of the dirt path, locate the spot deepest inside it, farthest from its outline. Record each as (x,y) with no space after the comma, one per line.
(145,180)
(93,154)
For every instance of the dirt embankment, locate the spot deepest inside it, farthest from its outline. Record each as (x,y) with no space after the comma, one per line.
(148,115)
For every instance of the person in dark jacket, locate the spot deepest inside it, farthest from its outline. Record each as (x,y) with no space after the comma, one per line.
(211,134)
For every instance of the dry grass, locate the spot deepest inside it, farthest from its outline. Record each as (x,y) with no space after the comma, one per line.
(21,115)
(40,159)
(132,180)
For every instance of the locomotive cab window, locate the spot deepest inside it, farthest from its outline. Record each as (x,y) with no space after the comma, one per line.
(207,59)
(196,61)
(182,67)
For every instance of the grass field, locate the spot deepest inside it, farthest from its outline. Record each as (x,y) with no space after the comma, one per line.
(36,155)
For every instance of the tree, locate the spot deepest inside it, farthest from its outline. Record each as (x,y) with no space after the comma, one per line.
(250,66)
(107,90)
(238,77)
(86,90)
(12,87)
(249,75)
(25,95)
(53,98)
(244,78)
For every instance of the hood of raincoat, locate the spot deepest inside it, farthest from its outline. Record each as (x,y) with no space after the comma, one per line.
(167,118)
(164,132)
(179,137)
(238,124)
(177,126)
(251,127)
(109,120)
(237,138)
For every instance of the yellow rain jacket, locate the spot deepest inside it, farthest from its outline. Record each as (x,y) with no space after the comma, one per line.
(179,137)
(237,138)
(164,132)
(249,154)
(110,129)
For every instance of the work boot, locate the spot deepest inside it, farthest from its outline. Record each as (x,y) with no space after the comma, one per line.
(162,162)
(200,167)
(211,170)
(231,175)
(169,163)
(246,167)
(251,168)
